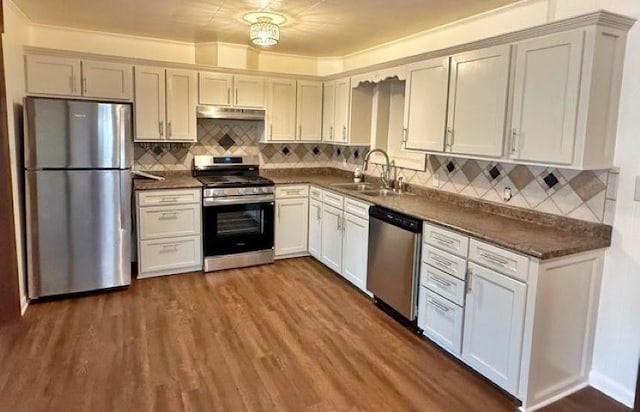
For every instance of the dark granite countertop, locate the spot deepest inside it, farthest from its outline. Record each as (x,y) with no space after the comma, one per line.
(535,234)
(172,180)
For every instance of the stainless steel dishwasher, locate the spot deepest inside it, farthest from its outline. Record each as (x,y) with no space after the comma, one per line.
(394,260)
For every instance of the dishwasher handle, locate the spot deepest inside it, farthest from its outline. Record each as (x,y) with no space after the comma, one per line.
(397,219)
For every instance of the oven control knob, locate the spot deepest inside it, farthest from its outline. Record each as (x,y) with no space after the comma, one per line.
(265,190)
(256,190)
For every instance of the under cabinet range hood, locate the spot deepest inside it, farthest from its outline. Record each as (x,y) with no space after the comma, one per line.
(214,112)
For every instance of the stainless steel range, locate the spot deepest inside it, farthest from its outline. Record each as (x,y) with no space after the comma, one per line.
(238,212)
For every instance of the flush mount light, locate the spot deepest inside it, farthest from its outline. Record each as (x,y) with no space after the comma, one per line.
(265,27)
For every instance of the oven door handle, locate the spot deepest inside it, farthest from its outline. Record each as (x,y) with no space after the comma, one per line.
(207,201)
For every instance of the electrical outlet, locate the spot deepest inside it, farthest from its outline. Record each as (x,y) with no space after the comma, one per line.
(636,195)
(435,180)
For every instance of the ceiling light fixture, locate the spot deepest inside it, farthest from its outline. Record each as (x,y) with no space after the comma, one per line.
(265,28)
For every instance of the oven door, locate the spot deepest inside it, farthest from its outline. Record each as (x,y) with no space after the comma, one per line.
(232,226)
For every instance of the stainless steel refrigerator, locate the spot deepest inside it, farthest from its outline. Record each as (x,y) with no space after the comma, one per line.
(78,158)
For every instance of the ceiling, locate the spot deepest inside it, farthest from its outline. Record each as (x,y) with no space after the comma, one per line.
(314,27)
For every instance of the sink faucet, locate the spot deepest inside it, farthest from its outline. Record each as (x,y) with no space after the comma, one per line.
(386,169)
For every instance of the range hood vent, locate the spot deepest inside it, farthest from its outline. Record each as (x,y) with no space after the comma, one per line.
(214,112)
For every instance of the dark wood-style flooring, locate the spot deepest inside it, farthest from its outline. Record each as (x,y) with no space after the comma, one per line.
(289,337)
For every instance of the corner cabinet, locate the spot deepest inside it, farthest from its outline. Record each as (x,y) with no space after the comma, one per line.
(165,105)
(292,216)
(328,111)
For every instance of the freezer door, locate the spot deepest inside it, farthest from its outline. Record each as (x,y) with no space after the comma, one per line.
(78,230)
(73,134)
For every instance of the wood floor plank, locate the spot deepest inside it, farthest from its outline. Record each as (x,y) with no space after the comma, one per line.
(291,336)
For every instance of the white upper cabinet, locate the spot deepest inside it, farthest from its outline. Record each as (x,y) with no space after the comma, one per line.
(328,111)
(53,75)
(249,92)
(182,99)
(63,76)
(150,107)
(478,102)
(105,80)
(425,109)
(215,88)
(493,326)
(281,109)
(342,107)
(309,110)
(546,97)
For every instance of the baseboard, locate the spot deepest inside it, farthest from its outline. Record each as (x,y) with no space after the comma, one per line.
(24,304)
(548,401)
(611,388)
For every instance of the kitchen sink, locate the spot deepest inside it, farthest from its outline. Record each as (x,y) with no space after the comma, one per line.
(358,187)
(384,193)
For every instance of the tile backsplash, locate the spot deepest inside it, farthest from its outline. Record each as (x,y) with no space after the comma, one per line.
(586,195)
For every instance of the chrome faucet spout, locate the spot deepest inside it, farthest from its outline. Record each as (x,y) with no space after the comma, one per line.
(386,169)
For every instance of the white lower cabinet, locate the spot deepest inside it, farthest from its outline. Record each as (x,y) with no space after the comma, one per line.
(355,250)
(169,227)
(315,228)
(292,215)
(493,327)
(332,237)
(440,319)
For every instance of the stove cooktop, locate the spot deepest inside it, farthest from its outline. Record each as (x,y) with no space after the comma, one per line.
(234,181)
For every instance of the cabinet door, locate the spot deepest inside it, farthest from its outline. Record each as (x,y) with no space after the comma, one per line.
(53,75)
(281,109)
(249,92)
(182,99)
(215,88)
(494,319)
(309,114)
(315,229)
(545,98)
(328,111)
(425,110)
(342,106)
(478,101)
(292,216)
(150,113)
(355,250)
(332,237)
(107,80)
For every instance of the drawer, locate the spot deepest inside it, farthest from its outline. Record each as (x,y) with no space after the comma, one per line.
(503,261)
(333,199)
(168,197)
(315,193)
(290,191)
(446,262)
(446,240)
(173,221)
(442,283)
(356,208)
(440,320)
(170,254)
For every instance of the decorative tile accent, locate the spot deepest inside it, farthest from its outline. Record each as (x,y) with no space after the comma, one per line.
(316,151)
(450,167)
(494,172)
(285,151)
(550,180)
(226,142)
(586,184)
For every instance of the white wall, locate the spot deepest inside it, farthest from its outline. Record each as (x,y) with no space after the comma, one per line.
(16,27)
(617,345)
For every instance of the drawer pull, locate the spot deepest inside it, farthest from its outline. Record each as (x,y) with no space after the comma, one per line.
(168,200)
(440,281)
(494,259)
(441,261)
(443,240)
(169,215)
(439,305)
